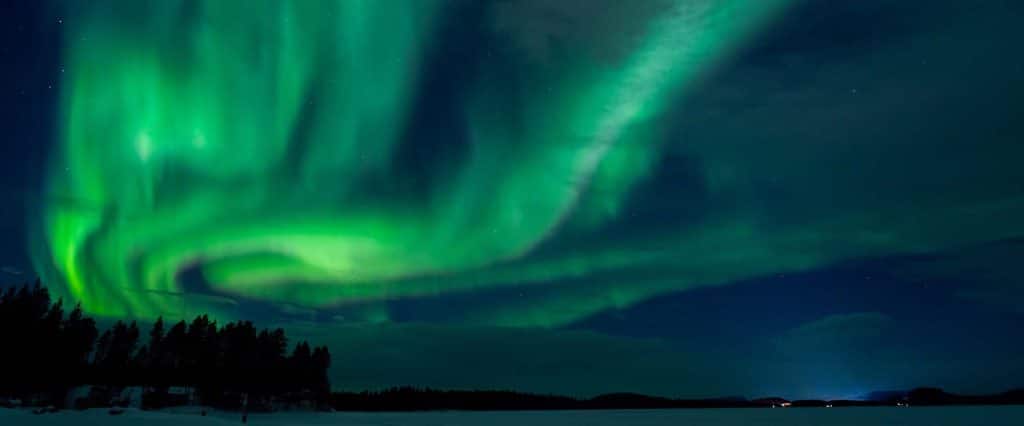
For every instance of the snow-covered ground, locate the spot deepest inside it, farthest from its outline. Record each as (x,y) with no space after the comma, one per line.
(993,416)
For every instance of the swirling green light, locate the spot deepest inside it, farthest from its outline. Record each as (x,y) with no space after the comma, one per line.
(240,138)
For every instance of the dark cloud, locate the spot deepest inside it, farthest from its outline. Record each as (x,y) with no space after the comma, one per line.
(991,271)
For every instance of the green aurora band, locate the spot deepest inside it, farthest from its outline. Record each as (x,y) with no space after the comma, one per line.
(190,140)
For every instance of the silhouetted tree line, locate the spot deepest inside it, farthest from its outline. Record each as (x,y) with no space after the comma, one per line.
(46,352)
(921,397)
(43,350)
(936,396)
(416,399)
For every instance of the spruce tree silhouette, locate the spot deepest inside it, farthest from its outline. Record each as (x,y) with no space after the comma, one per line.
(47,353)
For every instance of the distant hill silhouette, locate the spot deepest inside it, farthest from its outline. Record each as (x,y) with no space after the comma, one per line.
(47,353)
(884,396)
(415,399)
(936,396)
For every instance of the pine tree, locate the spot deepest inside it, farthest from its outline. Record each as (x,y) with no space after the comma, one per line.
(156,338)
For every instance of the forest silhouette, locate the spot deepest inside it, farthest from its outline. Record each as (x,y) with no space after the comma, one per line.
(47,353)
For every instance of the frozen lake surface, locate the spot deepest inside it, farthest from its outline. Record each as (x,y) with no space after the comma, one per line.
(796,417)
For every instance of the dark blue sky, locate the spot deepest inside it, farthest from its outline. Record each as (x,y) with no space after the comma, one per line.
(872,146)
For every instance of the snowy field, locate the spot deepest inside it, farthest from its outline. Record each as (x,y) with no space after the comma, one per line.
(795,417)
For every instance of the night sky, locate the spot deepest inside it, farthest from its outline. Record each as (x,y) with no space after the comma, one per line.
(678,197)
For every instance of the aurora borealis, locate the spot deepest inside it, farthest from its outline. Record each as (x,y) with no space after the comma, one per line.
(245,140)
(561,187)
